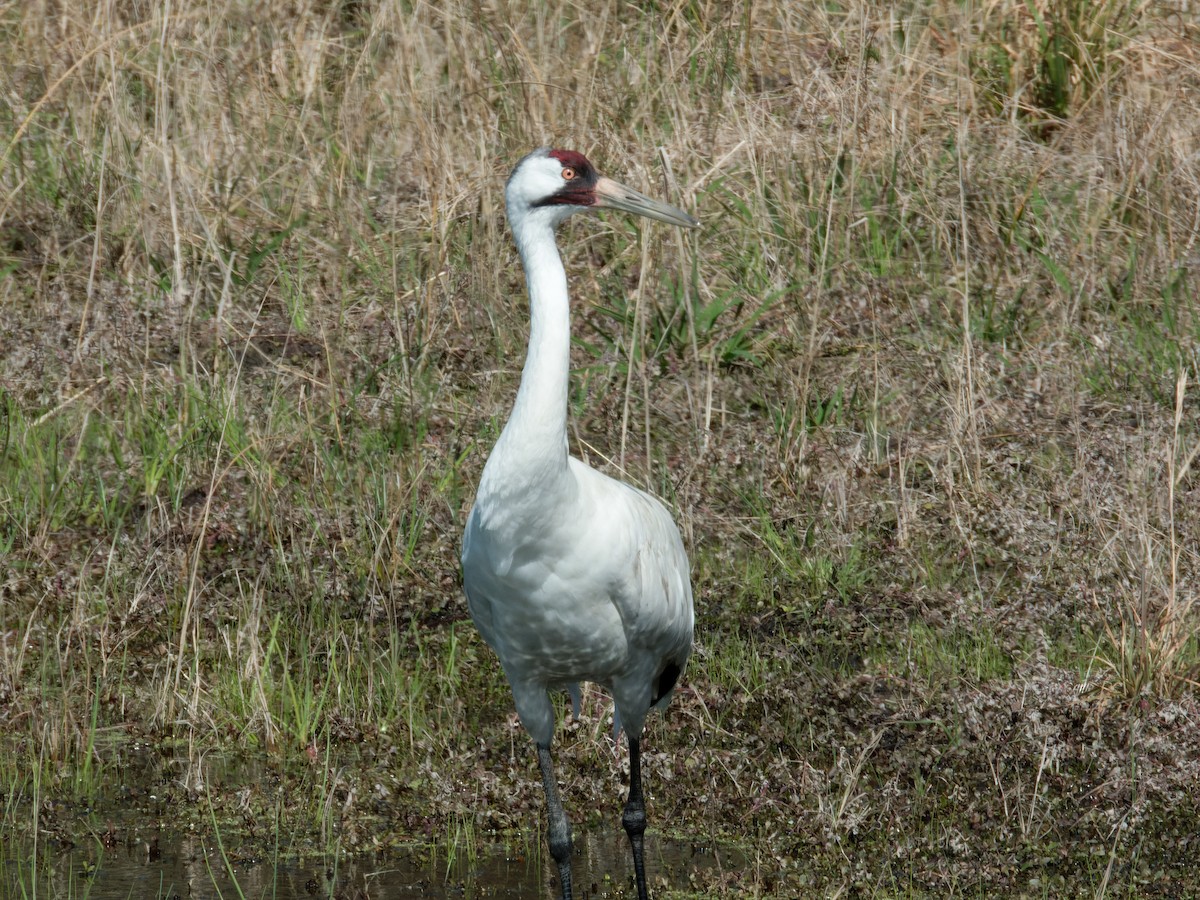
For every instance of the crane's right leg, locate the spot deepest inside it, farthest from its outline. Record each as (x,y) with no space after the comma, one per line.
(634,817)
(559,832)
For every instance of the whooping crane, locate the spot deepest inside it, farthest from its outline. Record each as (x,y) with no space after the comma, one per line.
(571,575)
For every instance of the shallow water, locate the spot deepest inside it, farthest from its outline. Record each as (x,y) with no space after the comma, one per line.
(116,846)
(190,868)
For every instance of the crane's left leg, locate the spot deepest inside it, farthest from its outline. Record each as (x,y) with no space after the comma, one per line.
(558,833)
(634,818)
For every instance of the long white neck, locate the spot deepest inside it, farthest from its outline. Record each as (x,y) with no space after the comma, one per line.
(535,438)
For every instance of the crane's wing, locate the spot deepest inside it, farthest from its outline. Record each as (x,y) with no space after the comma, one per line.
(647,570)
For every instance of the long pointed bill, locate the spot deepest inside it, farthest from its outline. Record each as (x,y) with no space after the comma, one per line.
(611,195)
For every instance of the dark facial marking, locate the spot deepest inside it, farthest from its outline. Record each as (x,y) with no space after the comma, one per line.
(580,191)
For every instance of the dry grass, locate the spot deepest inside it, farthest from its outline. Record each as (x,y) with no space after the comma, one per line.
(923,392)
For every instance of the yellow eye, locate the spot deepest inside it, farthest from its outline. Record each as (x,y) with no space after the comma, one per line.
(568,173)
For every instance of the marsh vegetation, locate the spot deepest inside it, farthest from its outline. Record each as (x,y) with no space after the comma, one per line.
(922,393)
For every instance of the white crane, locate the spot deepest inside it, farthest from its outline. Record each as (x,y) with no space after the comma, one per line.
(571,575)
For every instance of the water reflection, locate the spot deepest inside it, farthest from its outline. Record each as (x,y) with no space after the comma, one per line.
(191,868)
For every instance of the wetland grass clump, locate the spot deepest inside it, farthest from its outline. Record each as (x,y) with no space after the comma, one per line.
(922,393)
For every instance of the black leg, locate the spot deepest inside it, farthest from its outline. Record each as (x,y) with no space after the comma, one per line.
(634,818)
(559,832)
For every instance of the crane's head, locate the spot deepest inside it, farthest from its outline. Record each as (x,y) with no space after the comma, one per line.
(555,184)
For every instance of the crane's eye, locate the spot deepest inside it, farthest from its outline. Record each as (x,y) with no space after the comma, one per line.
(568,173)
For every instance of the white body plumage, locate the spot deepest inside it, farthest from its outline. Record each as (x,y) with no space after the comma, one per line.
(578,577)
(570,575)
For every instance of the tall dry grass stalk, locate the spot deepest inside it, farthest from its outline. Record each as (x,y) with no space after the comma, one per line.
(1151,646)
